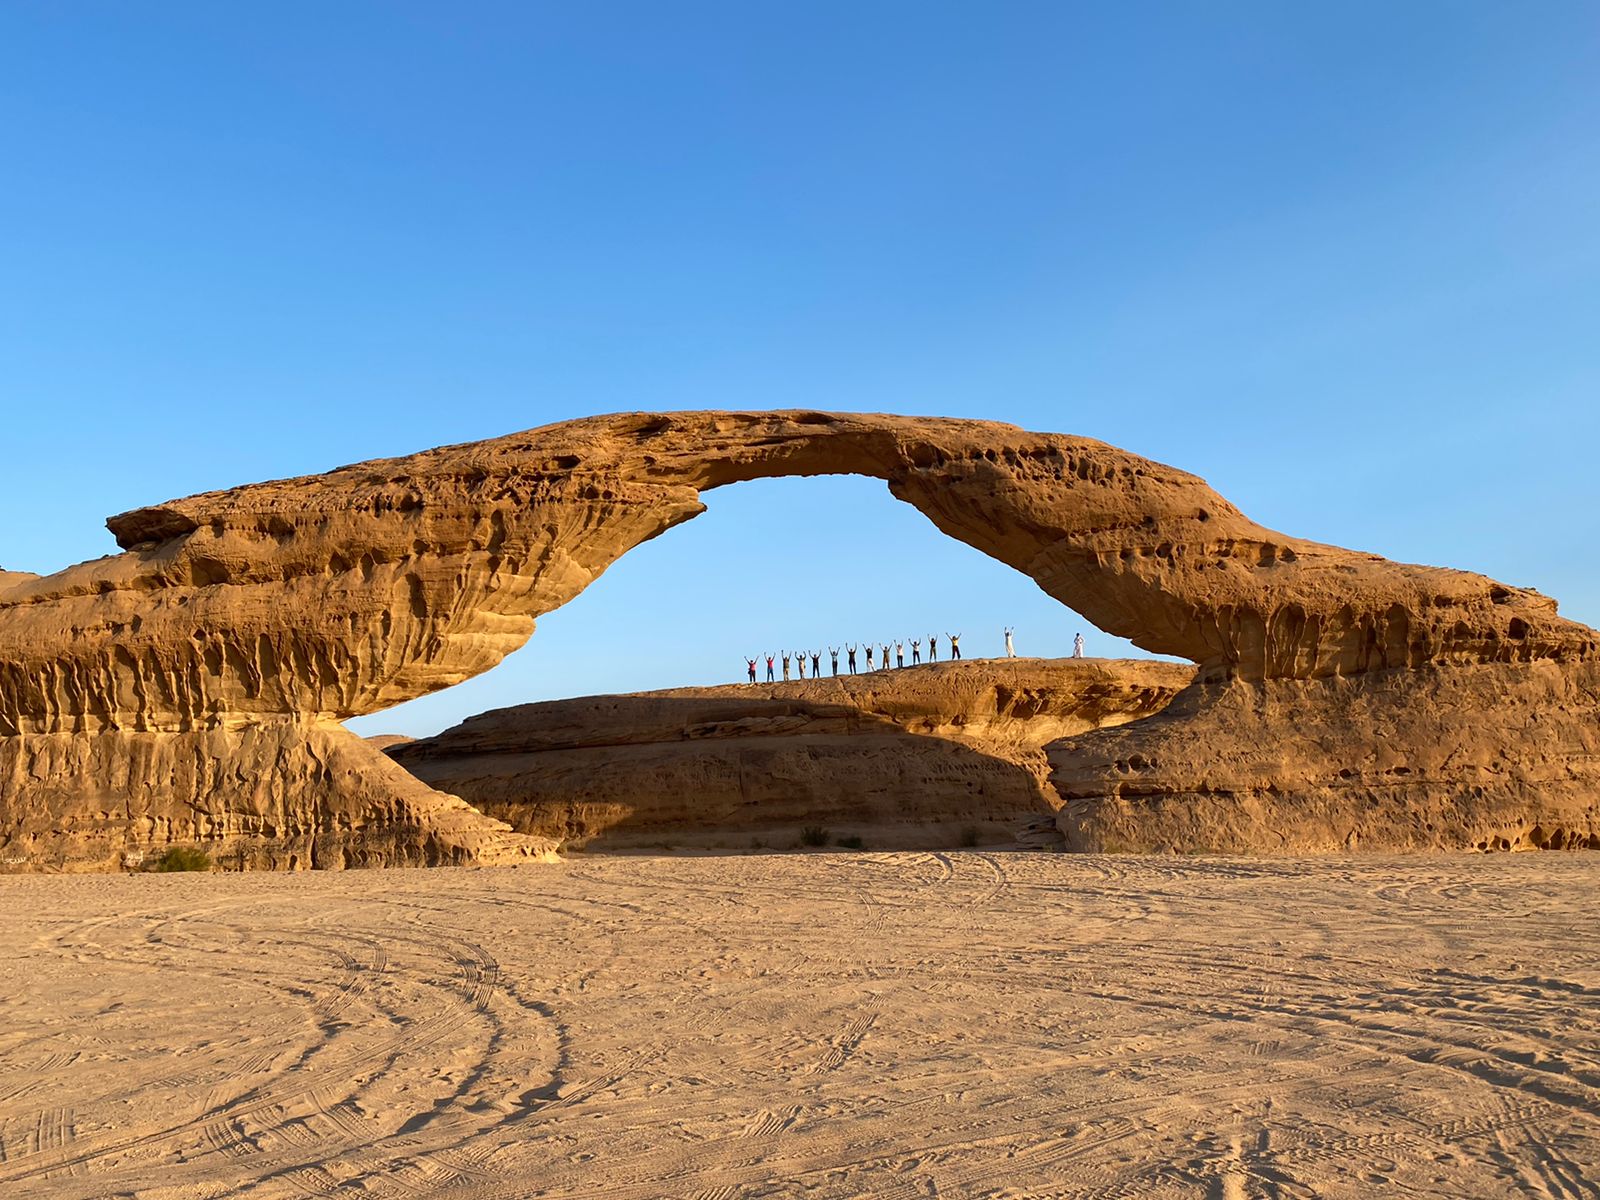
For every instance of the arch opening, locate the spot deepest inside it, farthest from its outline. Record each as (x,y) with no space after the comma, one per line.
(562,743)
(773,563)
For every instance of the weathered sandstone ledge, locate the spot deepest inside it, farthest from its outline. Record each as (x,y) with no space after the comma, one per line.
(916,757)
(194,683)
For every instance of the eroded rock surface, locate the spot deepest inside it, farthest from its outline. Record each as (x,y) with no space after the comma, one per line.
(255,619)
(922,756)
(1493,756)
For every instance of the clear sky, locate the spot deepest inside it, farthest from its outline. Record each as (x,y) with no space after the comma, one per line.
(1341,259)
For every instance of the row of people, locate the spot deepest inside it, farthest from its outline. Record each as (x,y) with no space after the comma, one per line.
(799,656)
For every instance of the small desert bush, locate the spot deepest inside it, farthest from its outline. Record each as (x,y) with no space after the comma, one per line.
(815,835)
(181,858)
(850,843)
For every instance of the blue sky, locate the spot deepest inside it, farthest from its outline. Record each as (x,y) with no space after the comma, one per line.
(1343,260)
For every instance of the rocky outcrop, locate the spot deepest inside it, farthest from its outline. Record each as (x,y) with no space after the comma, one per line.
(269,795)
(923,756)
(1493,756)
(255,619)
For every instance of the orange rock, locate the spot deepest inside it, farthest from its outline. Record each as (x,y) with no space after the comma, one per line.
(190,688)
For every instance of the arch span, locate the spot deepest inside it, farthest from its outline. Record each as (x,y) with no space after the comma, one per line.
(288,606)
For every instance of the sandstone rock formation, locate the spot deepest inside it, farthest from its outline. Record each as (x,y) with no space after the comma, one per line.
(919,757)
(190,688)
(1492,756)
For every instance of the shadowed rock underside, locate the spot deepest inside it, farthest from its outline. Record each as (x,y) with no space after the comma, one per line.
(927,756)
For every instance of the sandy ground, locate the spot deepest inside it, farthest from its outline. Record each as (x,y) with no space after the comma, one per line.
(885,1025)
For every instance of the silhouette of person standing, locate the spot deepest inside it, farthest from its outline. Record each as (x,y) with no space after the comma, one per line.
(800,662)
(833,653)
(955,644)
(1011,651)
(752,664)
(769,668)
(786,666)
(933,648)
(884,656)
(816,664)
(851,652)
(916,651)
(1077,646)
(899,654)
(869,656)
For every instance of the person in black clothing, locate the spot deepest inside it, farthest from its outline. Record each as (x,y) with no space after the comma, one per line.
(833,653)
(816,664)
(851,652)
(916,651)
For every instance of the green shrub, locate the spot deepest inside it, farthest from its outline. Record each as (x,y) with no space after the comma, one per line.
(850,843)
(815,835)
(182,858)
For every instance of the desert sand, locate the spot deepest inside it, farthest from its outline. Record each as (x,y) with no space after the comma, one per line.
(811,1024)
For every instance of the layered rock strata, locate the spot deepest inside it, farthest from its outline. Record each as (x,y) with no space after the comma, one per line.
(1493,756)
(932,755)
(255,619)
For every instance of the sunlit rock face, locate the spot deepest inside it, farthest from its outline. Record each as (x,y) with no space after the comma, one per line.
(190,688)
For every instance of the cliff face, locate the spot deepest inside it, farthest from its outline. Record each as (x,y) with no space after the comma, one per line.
(268,795)
(252,620)
(1488,757)
(916,757)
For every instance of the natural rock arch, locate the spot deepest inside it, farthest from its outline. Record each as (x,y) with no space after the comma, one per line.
(192,685)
